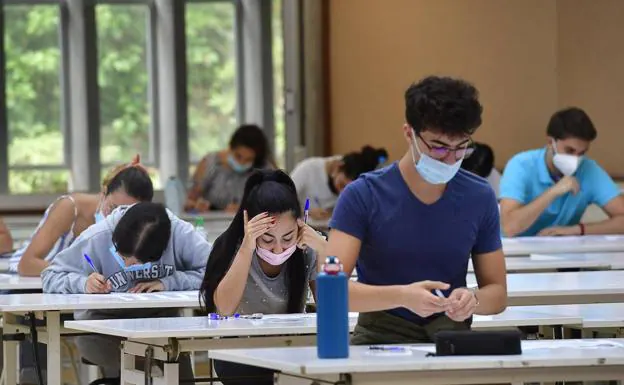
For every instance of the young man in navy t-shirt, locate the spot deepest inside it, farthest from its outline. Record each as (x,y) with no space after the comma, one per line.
(411,228)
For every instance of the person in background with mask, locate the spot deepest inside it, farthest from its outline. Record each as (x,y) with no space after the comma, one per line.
(263,263)
(220,177)
(411,228)
(322,179)
(481,162)
(6,241)
(546,191)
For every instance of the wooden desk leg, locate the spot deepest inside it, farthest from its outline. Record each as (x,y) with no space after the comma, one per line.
(9,351)
(53,326)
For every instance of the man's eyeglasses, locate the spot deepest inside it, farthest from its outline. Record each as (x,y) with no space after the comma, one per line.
(442,152)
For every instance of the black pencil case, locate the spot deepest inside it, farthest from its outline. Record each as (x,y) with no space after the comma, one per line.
(478,343)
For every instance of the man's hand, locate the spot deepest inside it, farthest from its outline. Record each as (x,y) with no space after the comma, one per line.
(462,304)
(560,230)
(565,185)
(418,298)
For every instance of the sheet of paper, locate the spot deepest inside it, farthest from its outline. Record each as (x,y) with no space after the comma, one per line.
(575,344)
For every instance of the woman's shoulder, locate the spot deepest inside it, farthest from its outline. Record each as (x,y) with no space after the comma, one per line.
(214,157)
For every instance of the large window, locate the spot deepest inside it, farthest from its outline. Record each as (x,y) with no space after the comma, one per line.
(50,75)
(278,82)
(211,71)
(123,78)
(33,89)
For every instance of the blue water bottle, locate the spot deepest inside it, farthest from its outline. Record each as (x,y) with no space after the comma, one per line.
(332,311)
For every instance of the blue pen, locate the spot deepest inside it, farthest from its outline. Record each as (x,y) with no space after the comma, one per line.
(90,262)
(306,211)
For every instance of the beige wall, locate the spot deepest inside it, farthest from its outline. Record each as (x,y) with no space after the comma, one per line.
(591,71)
(509,49)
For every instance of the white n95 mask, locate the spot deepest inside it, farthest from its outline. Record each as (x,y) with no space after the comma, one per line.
(565,163)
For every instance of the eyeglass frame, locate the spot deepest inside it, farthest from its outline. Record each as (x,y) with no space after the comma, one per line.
(468,148)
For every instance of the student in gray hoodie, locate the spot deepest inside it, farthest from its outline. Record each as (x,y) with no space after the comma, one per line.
(138,248)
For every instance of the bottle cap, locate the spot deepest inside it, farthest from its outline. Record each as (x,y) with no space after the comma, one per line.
(199,221)
(332,265)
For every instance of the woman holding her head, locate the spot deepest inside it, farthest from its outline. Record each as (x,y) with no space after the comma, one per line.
(264,262)
(71,214)
(323,179)
(220,177)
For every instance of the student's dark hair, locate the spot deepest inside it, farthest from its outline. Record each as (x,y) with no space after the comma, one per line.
(143,232)
(252,136)
(571,122)
(134,181)
(357,163)
(443,104)
(265,191)
(481,162)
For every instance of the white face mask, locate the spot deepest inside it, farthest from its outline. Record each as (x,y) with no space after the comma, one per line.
(565,163)
(431,170)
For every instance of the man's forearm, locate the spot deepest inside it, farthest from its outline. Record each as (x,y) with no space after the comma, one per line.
(518,220)
(613,225)
(366,298)
(492,299)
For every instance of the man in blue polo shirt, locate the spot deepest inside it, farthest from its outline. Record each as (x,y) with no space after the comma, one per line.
(546,191)
(411,228)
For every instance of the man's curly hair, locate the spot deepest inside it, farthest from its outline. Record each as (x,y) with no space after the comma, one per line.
(443,104)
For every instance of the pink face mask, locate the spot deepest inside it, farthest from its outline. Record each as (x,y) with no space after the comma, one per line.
(275,259)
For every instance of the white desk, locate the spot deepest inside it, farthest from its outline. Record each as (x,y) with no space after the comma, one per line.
(581,244)
(52,305)
(545,360)
(553,262)
(614,260)
(15,282)
(563,288)
(202,334)
(219,220)
(594,316)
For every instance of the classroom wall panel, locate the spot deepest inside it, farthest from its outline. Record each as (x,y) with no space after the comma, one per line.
(591,71)
(506,48)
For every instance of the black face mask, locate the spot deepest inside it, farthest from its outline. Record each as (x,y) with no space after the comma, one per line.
(330,184)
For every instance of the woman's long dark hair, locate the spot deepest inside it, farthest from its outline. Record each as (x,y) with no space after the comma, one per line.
(265,191)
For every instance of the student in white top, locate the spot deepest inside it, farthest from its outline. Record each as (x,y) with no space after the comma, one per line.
(481,162)
(322,179)
(6,242)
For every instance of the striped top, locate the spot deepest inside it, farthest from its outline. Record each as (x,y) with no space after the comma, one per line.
(61,244)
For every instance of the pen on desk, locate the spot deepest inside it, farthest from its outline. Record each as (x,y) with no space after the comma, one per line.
(306,211)
(90,262)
